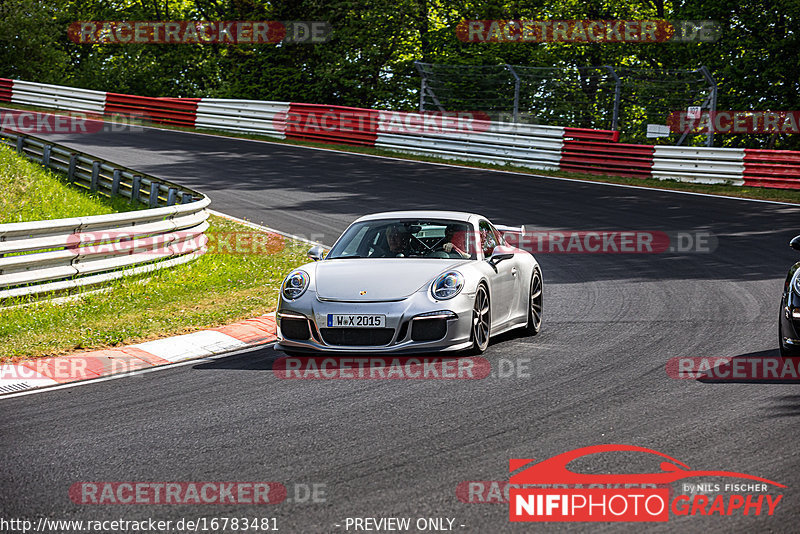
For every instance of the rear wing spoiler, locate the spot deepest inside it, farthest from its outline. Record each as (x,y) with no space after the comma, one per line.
(512,229)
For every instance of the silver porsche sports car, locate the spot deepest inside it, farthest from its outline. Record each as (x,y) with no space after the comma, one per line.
(414,281)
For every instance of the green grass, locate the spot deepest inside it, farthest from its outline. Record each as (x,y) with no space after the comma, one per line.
(214,290)
(29,192)
(761,193)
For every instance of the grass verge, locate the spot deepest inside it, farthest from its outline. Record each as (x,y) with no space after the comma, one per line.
(759,193)
(31,192)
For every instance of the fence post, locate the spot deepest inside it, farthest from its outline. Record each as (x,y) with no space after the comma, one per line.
(46,155)
(422,86)
(73,161)
(712,106)
(516,92)
(617,96)
(153,194)
(95,175)
(20,143)
(115,183)
(171,195)
(136,188)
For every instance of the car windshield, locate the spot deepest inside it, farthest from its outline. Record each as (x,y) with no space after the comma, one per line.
(406,238)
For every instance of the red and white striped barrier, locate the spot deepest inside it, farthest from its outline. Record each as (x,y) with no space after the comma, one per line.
(460,136)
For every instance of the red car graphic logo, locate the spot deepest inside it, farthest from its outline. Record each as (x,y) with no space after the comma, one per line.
(554,470)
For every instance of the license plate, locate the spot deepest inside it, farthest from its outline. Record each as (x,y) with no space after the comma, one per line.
(354,320)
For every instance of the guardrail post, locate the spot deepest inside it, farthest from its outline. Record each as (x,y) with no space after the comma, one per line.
(95,175)
(115,182)
(186,197)
(20,143)
(136,188)
(46,155)
(73,161)
(153,194)
(171,196)
(95,180)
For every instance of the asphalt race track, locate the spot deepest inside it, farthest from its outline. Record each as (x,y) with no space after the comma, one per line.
(384,448)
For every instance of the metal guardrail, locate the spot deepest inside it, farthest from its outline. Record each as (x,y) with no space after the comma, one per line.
(58,97)
(244,116)
(53,255)
(699,164)
(537,147)
(579,150)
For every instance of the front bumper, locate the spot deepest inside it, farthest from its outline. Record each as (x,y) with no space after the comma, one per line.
(790,319)
(409,324)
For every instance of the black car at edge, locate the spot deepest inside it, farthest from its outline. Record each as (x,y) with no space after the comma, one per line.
(789,320)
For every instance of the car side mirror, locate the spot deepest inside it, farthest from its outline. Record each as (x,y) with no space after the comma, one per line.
(316,253)
(795,243)
(499,256)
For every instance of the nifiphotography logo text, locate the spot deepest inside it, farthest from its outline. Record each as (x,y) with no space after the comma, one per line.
(549,491)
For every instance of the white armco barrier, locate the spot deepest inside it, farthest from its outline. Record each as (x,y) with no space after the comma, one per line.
(699,165)
(58,97)
(61,249)
(244,116)
(525,145)
(54,255)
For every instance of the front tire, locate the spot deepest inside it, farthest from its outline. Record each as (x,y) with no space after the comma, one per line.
(786,351)
(481,320)
(535,302)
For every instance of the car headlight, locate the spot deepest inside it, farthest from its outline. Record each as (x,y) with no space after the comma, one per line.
(295,285)
(796,282)
(447,285)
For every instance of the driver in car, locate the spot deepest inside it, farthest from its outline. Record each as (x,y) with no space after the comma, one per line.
(398,238)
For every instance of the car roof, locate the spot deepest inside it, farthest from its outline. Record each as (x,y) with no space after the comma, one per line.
(421,214)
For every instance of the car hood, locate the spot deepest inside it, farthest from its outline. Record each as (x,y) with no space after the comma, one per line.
(377,278)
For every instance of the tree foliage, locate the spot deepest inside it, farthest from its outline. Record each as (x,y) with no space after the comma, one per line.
(369,59)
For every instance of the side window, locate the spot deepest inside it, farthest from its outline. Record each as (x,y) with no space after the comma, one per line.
(497,235)
(488,239)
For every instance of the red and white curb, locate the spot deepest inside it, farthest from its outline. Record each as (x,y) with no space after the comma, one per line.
(43,372)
